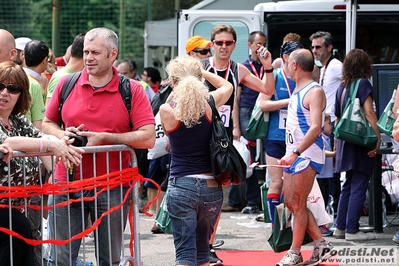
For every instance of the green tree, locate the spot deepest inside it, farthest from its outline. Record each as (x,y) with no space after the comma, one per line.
(34,19)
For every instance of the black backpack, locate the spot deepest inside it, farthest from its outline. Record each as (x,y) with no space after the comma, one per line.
(160,98)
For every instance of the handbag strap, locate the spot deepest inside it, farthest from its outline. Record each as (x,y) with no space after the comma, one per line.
(215,113)
(354,88)
(353,92)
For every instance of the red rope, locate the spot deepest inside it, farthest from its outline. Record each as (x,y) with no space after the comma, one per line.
(128,177)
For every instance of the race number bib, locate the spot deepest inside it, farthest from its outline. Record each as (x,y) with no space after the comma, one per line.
(282,119)
(290,136)
(224,112)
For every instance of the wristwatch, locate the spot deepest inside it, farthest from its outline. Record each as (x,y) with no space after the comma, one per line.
(296,151)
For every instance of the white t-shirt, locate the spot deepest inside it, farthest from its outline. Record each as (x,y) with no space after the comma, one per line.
(330,82)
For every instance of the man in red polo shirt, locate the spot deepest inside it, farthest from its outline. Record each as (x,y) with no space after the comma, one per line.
(95,109)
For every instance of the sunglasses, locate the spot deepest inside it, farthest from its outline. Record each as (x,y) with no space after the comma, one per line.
(317,47)
(227,43)
(202,51)
(12,89)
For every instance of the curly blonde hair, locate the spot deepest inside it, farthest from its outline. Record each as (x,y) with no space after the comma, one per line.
(189,94)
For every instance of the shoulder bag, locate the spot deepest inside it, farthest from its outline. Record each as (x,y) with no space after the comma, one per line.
(387,118)
(226,162)
(353,126)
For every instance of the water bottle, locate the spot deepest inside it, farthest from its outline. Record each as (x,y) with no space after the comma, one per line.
(384,211)
(260,54)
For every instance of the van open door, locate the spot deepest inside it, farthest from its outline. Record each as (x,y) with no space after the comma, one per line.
(201,22)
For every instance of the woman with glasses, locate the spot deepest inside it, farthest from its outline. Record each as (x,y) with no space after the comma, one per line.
(198,47)
(18,133)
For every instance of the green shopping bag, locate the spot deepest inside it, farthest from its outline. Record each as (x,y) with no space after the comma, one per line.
(258,123)
(387,118)
(163,220)
(264,189)
(353,126)
(281,237)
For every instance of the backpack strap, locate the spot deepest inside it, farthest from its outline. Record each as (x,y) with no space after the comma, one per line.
(126,94)
(67,88)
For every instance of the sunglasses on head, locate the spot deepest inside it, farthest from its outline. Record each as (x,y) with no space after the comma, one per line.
(317,47)
(202,51)
(227,43)
(12,89)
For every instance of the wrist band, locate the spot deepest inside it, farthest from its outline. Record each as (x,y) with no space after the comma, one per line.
(269,70)
(41,145)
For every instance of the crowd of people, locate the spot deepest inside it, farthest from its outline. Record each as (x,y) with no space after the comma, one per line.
(304,103)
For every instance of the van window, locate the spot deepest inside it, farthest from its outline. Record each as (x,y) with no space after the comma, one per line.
(241,52)
(383,30)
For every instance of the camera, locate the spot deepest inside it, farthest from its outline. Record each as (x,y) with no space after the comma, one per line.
(79,141)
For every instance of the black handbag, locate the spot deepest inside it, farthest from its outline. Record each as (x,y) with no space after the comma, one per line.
(226,162)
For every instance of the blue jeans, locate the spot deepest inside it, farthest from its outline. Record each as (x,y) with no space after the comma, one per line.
(66,222)
(351,201)
(193,209)
(252,194)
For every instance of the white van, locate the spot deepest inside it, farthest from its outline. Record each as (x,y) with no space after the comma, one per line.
(276,19)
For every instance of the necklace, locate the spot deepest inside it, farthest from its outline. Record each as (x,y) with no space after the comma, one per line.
(8,126)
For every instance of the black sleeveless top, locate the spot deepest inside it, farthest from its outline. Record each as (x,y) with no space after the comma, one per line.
(232,77)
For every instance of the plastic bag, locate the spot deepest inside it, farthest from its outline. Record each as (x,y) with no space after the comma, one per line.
(242,148)
(281,237)
(315,204)
(163,220)
(161,141)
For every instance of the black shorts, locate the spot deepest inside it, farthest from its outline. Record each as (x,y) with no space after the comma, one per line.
(158,171)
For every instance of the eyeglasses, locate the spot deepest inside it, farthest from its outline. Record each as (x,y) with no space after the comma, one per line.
(317,47)
(12,89)
(227,43)
(202,51)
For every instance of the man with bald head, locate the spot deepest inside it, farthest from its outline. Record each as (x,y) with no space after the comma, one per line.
(7,46)
(304,157)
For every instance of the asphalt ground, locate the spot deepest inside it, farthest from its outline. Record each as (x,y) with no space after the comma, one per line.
(244,232)
(241,232)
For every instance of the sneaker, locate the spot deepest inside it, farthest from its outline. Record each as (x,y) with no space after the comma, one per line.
(218,243)
(359,236)
(321,254)
(290,259)
(260,218)
(325,231)
(155,229)
(213,259)
(396,237)
(338,233)
(250,210)
(228,208)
